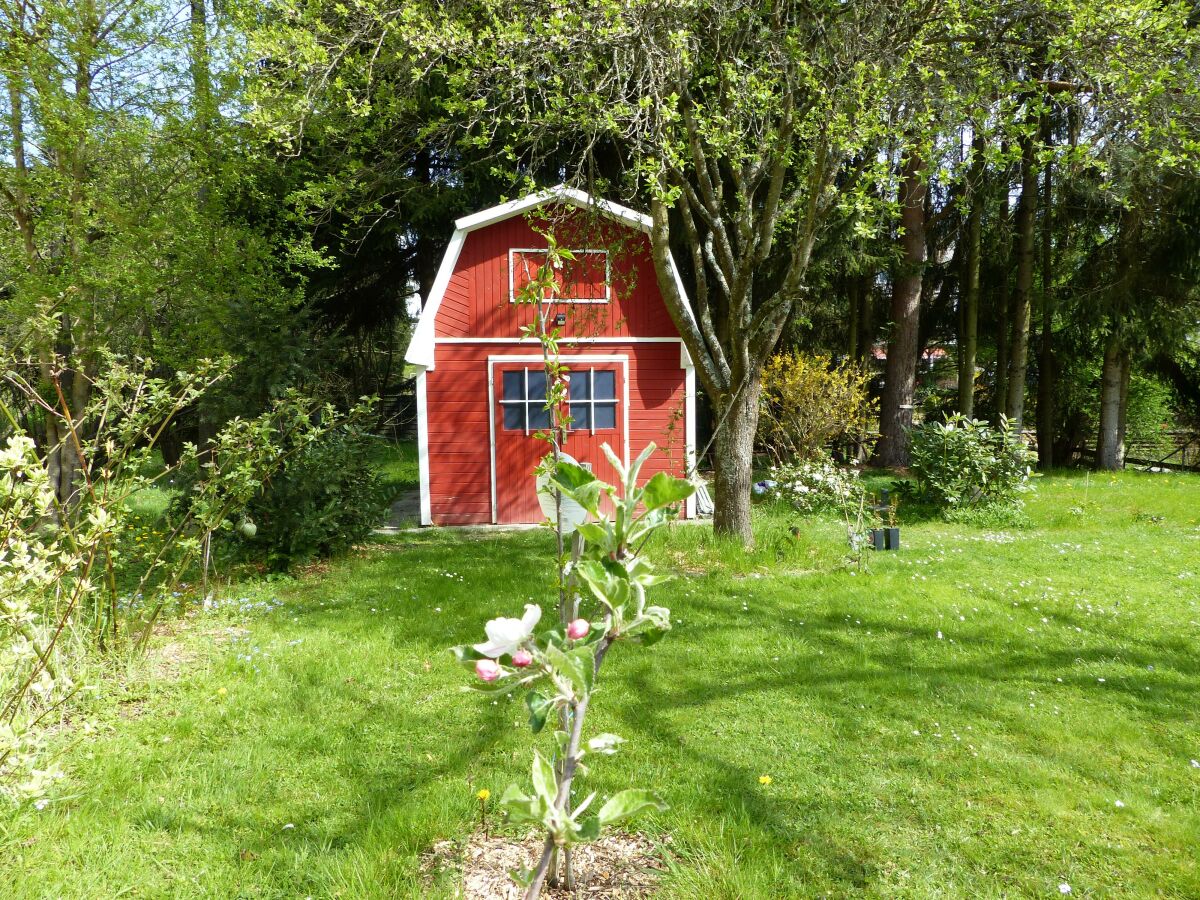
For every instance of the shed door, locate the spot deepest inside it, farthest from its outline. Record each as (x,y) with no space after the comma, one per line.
(596,404)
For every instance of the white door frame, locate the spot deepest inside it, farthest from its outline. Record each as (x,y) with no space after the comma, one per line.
(567,360)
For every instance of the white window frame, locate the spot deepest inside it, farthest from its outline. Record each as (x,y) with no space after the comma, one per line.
(591,401)
(525,402)
(512,257)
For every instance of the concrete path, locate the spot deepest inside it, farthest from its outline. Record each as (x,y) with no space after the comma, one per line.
(404,513)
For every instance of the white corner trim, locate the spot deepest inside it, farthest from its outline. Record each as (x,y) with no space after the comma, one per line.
(687,305)
(689,413)
(423,450)
(492,436)
(420,348)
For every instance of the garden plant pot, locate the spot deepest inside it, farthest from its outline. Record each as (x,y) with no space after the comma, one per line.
(878,541)
(892,538)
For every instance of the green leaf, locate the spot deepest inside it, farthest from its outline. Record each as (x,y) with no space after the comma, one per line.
(588,829)
(544,782)
(562,741)
(650,627)
(504,685)
(586,495)
(606,580)
(615,461)
(586,655)
(663,490)
(571,667)
(539,707)
(629,803)
(606,744)
(641,571)
(569,477)
(519,807)
(595,533)
(467,655)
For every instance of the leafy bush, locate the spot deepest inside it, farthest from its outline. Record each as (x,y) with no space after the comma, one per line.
(966,462)
(991,515)
(809,403)
(327,497)
(816,484)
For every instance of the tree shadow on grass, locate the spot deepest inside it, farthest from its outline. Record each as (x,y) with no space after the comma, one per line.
(983,682)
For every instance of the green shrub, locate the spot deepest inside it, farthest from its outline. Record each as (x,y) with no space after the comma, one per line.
(966,462)
(990,515)
(809,403)
(815,484)
(326,498)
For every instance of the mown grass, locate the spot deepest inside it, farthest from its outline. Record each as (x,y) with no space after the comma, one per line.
(397,465)
(987,713)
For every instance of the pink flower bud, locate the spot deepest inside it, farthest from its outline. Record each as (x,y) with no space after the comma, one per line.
(487,669)
(521,658)
(578,629)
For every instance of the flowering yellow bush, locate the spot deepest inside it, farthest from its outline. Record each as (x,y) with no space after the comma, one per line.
(809,402)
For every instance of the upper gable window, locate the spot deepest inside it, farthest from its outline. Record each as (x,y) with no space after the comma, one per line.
(584,279)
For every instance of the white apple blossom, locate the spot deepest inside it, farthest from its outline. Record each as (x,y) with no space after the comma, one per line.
(506,635)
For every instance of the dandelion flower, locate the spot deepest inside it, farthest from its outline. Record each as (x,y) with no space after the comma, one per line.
(484,794)
(221,692)
(764,779)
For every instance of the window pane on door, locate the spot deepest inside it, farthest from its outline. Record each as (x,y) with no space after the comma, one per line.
(539,416)
(581,416)
(605,415)
(514,416)
(514,386)
(536,384)
(604,384)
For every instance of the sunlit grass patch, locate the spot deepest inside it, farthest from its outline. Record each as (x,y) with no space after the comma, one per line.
(987,712)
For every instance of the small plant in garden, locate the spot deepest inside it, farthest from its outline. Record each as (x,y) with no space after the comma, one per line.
(858,531)
(558,667)
(966,462)
(816,484)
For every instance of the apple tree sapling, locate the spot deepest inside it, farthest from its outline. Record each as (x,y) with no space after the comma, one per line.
(558,667)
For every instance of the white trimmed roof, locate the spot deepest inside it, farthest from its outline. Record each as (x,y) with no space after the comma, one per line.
(420,348)
(562,194)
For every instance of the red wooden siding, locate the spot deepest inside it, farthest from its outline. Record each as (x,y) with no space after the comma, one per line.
(581,278)
(459,411)
(477,302)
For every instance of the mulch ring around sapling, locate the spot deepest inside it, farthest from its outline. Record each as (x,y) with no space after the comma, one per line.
(617,865)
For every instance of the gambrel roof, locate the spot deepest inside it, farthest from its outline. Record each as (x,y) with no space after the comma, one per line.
(420,349)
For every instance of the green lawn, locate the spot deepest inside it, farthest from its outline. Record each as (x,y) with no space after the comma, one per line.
(984,714)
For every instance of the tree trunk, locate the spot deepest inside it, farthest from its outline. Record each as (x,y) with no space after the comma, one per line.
(866,319)
(896,410)
(1123,401)
(1018,361)
(1047,365)
(733,465)
(1110,445)
(968,337)
(853,301)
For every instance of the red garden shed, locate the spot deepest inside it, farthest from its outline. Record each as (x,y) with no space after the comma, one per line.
(481,387)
